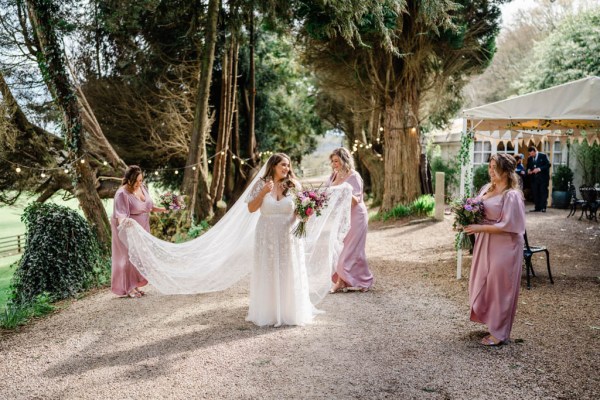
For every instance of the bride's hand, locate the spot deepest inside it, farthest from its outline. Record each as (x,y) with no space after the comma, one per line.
(267,188)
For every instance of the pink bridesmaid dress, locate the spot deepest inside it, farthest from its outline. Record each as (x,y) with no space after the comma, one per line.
(497,262)
(352,265)
(125,277)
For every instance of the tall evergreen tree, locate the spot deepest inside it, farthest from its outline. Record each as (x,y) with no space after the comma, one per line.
(408,58)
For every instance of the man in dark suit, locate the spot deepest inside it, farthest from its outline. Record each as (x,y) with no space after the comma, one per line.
(538,170)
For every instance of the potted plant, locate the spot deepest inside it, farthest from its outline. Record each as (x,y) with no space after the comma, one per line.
(561,178)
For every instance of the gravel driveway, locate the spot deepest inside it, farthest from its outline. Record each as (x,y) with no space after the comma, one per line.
(408,338)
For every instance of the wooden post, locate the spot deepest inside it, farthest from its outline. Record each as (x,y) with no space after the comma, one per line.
(439,195)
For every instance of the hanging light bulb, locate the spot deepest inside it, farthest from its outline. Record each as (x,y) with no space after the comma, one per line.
(194,168)
(43,175)
(242,162)
(18,169)
(381,129)
(234,157)
(176,172)
(105,163)
(156,173)
(66,170)
(210,161)
(82,161)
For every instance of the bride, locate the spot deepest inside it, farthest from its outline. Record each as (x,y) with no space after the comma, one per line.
(289,276)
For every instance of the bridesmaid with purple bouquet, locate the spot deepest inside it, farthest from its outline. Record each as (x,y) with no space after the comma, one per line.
(352,269)
(498,254)
(132,200)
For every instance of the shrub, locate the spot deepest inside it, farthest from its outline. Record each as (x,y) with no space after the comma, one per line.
(451,170)
(175,226)
(423,206)
(561,178)
(588,158)
(61,258)
(480,177)
(19,312)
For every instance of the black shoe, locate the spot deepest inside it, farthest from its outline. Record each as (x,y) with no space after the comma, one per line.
(534,210)
(543,210)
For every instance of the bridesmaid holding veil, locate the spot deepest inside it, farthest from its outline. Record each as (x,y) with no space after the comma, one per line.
(132,200)
(352,269)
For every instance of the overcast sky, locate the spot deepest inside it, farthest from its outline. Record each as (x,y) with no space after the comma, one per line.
(509,10)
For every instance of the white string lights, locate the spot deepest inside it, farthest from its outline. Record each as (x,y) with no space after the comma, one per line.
(44,172)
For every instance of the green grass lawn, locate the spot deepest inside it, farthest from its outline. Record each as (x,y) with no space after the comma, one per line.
(6,274)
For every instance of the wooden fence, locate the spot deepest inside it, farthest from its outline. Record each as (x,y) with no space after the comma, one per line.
(11,245)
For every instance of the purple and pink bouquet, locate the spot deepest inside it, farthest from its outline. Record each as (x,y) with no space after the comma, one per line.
(171,201)
(308,203)
(467,211)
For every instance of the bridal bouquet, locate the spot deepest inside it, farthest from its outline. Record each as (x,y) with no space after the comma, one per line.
(172,201)
(467,211)
(308,203)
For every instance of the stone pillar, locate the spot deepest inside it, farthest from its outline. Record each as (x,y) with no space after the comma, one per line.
(439,195)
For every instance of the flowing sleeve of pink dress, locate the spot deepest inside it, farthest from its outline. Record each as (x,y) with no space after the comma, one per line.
(497,262)
(125,276)
(352,266)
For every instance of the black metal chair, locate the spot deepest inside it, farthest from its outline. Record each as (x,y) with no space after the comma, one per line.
(574,201)
(590,205)
(528,252)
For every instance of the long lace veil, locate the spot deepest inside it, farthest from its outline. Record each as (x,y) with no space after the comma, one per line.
(225,253)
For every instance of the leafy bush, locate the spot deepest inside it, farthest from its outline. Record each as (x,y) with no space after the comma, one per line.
(197,230)
(451,170)
(561,178)
(19,312)
(423,206)
(62,256)
(588,158)
(175,226)
(480,177)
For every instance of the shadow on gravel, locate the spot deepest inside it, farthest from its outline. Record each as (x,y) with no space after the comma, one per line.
(154,357)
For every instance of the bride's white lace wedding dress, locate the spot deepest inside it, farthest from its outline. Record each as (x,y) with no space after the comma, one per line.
(279,292)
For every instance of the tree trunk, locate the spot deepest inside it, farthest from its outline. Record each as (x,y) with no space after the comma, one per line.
(402,151)
(228,107)
(52,62)
(375,166)
(221,147)
(195,183)
(252,147)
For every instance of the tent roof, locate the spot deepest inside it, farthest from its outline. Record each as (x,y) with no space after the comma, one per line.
(574,105)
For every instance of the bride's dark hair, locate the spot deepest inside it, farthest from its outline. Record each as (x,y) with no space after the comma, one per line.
(289,181)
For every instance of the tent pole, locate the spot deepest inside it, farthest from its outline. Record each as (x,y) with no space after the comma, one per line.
(463,173)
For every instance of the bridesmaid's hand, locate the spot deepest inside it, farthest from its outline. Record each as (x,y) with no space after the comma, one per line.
(470,229)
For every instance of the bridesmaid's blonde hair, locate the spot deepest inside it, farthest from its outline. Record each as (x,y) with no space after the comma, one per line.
(345,157)
(506,164)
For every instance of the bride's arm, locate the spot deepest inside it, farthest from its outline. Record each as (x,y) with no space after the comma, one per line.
(256,202)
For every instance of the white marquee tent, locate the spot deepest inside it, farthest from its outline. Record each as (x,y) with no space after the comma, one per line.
(570,111)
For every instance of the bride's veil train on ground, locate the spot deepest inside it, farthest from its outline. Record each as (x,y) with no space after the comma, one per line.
(225,253)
